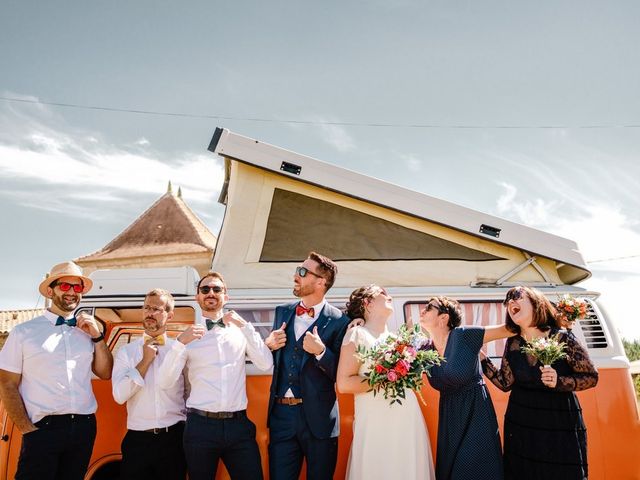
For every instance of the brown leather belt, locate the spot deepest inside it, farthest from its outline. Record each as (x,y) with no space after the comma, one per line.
(218,415)
(288,401)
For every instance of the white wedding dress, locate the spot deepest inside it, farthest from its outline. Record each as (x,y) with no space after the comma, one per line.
(389,441)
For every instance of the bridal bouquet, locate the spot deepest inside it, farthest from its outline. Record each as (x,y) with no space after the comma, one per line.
(545,349)
(398,362)
(570,309)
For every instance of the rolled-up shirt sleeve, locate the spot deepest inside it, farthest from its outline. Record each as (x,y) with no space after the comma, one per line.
(126,379)
(257,350)
(11,353)
(172,366)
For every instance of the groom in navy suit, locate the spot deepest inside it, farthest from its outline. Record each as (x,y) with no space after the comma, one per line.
(303,417)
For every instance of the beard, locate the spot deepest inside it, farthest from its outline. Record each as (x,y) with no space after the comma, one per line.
(302,290)
(65,302)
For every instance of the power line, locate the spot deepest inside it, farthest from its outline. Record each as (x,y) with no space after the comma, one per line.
(314,122)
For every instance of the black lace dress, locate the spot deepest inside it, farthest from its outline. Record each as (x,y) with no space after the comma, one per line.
(544,432)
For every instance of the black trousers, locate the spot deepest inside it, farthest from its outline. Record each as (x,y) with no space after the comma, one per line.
(232,440)
(153,456)
(59,450)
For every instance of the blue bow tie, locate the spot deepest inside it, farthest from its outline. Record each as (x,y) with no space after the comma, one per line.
(214,323)
(72,322)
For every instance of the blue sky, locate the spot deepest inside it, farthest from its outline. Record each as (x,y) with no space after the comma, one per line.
(524,110)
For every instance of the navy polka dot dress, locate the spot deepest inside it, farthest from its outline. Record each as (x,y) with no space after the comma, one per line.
(468,436)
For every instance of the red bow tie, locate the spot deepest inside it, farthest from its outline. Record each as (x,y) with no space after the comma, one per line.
(301,310)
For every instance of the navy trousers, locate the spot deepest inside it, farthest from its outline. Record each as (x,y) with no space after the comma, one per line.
(59,450)
(291,441)
(232,440)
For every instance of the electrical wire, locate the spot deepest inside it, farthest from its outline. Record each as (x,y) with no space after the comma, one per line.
(313,122)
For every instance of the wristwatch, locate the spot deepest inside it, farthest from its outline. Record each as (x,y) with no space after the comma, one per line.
(97,339)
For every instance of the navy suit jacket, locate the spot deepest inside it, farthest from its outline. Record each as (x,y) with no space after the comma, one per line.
(317,377)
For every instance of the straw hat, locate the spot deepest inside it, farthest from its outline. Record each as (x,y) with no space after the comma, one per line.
(66,269)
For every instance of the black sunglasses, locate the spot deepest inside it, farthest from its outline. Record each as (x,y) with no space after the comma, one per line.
(215,289)
(513,294)
(431,306)
(302,272)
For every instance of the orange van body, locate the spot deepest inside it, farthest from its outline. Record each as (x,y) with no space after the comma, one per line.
(610,412)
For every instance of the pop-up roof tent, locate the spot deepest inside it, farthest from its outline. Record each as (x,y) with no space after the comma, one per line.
(281,205)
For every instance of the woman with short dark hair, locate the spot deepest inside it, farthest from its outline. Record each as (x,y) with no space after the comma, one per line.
(544,433)
(468,436)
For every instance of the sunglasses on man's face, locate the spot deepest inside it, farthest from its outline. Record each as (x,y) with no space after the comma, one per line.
(302,272)
(65,286)
(217,289)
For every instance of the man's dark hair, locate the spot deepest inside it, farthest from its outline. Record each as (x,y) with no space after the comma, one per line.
(214,275)
(328,268)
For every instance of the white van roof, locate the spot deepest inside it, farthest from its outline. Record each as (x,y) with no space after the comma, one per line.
(563,253)
(179,281)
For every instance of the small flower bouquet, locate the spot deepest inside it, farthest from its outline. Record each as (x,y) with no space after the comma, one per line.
(398,362)
(546,349)
(570,309)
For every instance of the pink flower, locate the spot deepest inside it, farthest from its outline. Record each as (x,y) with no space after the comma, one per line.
(392,376)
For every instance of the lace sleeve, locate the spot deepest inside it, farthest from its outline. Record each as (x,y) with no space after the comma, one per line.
(584,374)
(503,378)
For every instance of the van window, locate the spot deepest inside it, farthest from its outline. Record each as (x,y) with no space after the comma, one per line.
(473,313)
(123,325)
(260,317)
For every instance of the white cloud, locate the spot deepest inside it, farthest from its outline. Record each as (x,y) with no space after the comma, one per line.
(42,150)
(604,234)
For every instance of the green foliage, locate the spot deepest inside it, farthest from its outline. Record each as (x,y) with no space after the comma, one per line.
(632,349)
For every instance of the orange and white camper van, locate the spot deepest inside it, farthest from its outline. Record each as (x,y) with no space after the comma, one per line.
(415,245)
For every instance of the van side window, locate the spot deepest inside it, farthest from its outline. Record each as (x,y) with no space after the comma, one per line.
(261,318)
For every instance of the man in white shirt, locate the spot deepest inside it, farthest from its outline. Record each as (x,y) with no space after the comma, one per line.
(45,380)
(214,353)
(152,446)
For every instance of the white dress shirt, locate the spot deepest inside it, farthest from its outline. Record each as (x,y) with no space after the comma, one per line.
(216,367)
(148,405)
(302,323)
(55,364)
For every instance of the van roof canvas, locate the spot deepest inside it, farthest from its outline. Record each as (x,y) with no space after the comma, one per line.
(280,205)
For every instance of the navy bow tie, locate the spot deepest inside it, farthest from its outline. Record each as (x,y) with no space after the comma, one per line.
(214,323)
(72,322)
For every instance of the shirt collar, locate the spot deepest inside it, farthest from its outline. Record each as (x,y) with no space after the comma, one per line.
(164,335)
(53,317)
(316,308)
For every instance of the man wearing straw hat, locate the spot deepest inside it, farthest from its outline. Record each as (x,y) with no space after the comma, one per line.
(45,380)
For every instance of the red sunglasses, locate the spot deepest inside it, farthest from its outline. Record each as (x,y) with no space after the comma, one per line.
(65,287)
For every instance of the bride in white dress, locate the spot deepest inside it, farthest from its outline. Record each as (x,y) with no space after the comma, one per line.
(389,441)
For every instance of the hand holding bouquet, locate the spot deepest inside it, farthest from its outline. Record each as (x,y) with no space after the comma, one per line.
(398,362)
(569,310)
(545,349)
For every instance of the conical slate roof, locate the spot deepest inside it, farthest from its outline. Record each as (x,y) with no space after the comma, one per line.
(169,226)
